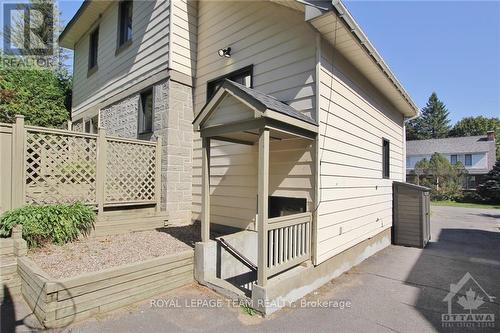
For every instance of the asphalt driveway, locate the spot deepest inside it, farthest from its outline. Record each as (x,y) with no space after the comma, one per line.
(399,289)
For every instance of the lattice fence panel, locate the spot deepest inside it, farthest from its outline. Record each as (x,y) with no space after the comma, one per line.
(60,168)
(130,172)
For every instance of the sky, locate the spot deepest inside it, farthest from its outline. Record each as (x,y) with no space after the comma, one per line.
(450,47)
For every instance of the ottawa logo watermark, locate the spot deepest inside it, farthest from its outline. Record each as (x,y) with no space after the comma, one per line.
(467,305)
(28,34)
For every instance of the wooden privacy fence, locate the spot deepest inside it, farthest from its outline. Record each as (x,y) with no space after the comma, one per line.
(43,166)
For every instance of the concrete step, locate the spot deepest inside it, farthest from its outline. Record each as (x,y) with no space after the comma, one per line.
(226,289)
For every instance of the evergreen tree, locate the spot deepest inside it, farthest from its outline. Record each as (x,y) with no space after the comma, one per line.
(489,188)
(433,122)
(421,169)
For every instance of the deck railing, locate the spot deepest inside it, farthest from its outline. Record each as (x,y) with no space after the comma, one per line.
(289,241)
(48,166)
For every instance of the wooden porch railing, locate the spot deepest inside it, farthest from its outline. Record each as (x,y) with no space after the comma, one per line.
(289,241)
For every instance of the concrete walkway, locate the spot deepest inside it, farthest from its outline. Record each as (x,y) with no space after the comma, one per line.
(398,290)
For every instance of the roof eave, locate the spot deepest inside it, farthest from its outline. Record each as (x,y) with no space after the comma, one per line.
(70,24)
(90,10)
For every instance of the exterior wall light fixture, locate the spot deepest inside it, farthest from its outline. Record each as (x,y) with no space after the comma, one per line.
(225,53)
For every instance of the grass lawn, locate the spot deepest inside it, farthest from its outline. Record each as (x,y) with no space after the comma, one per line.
(464,204)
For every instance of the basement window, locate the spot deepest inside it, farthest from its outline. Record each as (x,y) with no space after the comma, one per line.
(385,159)
(91,125)
(242,76)
(145,125)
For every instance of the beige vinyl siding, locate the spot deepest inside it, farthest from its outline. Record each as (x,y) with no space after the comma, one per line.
(146,56)
(355,201)
(233,181)
(283,53)
(233,184)
(229,110)
(291,169)
(184,36)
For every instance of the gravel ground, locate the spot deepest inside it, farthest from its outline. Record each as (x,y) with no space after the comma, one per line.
(90,255)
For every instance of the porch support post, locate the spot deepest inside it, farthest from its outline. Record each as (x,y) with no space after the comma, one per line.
(263,190)
(205,190)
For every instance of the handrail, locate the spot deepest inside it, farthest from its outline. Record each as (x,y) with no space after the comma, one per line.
(288,220)
(237,254)
(288,217)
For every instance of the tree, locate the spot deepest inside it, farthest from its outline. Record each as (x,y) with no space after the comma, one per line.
(433,122)
(421,169)
(470,126)
(45,27)
(38,94)
(41,94)
(441,176)
(440,168)
(489,187)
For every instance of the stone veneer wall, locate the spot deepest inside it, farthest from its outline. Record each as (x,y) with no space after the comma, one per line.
(173,116)
(177,163)
(78,126)
(120,119)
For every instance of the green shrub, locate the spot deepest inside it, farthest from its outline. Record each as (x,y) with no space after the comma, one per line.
(489,188)
(450,191)
(57,224)
(471,197)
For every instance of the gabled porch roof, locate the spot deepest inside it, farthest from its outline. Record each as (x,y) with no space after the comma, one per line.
(243,115)
(257,111)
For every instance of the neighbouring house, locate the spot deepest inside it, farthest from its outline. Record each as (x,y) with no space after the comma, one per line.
(282,130)
(476,153)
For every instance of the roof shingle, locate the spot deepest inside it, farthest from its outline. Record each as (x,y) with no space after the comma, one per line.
(468,144)
(271,102)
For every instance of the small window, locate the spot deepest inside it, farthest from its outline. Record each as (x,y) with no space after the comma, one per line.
(242,76)
(91,125)
(468,159)
(93,49)
(282,206)
(471,182)
(385,159)
(453,159)
(125,22)
(146,112)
